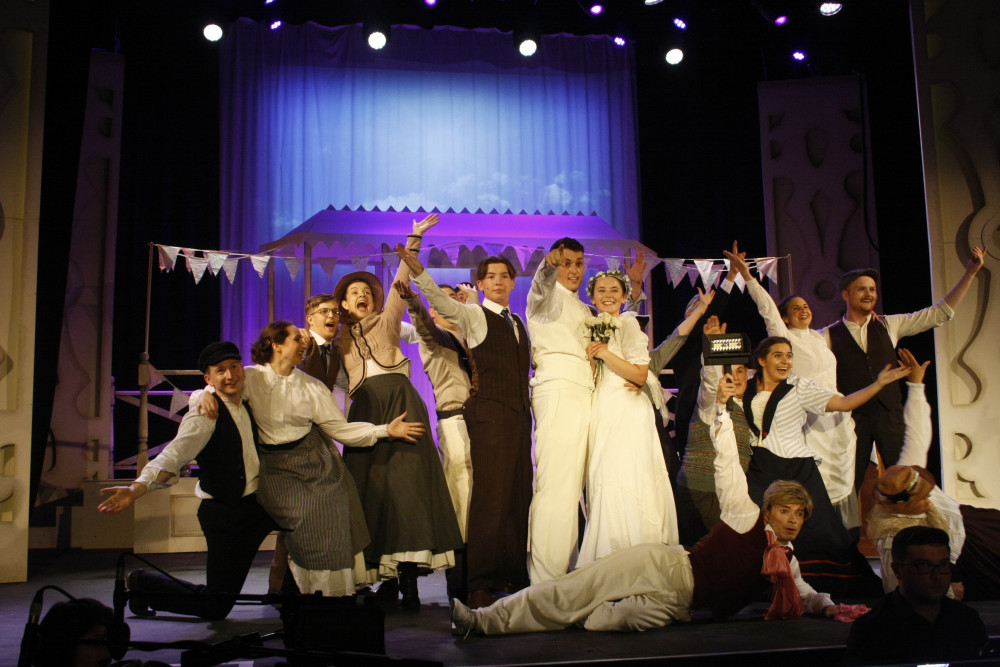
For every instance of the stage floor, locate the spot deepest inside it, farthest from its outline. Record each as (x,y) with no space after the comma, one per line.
(425,635)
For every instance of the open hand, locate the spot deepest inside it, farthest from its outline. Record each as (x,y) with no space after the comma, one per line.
(891,374)
(737,262)
(714,326)
(977,260)
(636,270)
(403,289)
(121,499)
(410,258)
(420,227)
(408,431)
(917,369)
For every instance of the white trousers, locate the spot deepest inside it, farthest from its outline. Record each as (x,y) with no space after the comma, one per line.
(638,588)
(562,427)
(453,444)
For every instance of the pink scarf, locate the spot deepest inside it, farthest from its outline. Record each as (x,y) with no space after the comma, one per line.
(786,603)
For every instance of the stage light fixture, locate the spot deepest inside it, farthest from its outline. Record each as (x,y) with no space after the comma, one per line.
(799,55)
(650,3)
(526,42)
(275,24)
(619,40)
(430,3)
(771,15)
(680,23)
(830,8)
(377,34)
(781,19)
(596,9)
(674,56)
(212,32)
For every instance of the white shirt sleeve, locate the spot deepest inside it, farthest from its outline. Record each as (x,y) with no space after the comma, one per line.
(635,344)
(469,317)
(408,333)
(908,324)
(768,310)
(736,508)
(542,305)
(192,436)
(813,601)
(705,403)
(917,429)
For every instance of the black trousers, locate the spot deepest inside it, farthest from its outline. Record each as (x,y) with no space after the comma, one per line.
(234,535)
(882,427)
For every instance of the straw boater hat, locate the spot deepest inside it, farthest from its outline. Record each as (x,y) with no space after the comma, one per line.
(901,487)
(378,294)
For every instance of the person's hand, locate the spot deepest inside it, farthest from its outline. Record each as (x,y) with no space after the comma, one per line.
(737,263)
(403,289)
(726,390)
(467,291)
(420,227)
(555,256)
(597,350)
(977,260)
(208,405)
(713,326)
(704,301)
(408,431)
(632,387)
(121,498)
(917,370)
(891,374)
(409,258)
(958,590)
(636,271)
(845,613)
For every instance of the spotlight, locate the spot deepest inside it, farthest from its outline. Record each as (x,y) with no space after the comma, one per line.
(680,23)
(377,34)
(780,20)
(526,42)
(650,3)
(212,32)
(830,8)
(674,56)
(799,55)
(769,14)
(619,40)
(275,24)
(430,3)
(596,9)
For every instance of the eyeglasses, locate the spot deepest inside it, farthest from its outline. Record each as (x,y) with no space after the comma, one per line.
(925,567)
(323,312)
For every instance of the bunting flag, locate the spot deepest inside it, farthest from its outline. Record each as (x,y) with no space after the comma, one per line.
(215,261)
(260,263)
(493,249)
(717,271)
(524,256)
(768,266)
(451,252)
(196,266)
(328,264)
(704,267)
(293,264)
(155,379)
(392,261)
(675,271)
(178,401)
(168,256)
(189,252)
(360,262)
(229,267)
(613,263)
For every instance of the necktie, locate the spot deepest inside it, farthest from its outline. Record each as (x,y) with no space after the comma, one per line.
(506,315)
(324,351)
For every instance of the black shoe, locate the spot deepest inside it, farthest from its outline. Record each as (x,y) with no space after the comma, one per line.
(388,590)
(138,604)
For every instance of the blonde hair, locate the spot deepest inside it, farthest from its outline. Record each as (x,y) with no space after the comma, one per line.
(785,492)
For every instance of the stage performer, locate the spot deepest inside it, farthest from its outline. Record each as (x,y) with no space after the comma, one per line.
(629,497)
(831,434)
(233,521)
(864,341)
(652,585)
(402,485)
(499,422)
(906,495)
(561,390)
(776,404)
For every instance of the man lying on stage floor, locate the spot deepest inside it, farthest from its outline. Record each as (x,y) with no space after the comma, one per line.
(652,585)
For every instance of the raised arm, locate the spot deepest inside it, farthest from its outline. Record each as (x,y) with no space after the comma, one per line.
(468,316)
(393,304)
(916,414)
(957,293)
(736,508)
(635,271)
(423,324)
(847,403)
(541,307)
(765,304)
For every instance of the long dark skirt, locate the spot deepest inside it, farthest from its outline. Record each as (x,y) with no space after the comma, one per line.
(979,563)
(401,484)
(306,489)
(829,558)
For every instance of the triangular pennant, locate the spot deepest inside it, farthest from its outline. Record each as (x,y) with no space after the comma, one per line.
(613,263)
(178,401)
(293,264)
(494,249)
(705,271)
(424,256)
(452,253)
(360,262)
(155,379)
(260,263)
(197,266)
(215,261)
(229,267)
(189,252)
(717,271)
(692,275)
(524,256)
(675,270)
(768,267)
(168,256)
(328,264)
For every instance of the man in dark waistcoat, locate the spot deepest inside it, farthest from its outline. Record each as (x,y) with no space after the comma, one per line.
(498,418)
(233,523)
(864,342)
(321,360)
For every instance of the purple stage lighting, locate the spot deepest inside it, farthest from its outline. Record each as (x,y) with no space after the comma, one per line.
(596,8)
(619,40)
(681,25)
(799,55)
(268,2)
(781,20)
(430,3)
(275,25)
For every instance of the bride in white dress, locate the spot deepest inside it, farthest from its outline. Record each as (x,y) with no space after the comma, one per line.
(629,498)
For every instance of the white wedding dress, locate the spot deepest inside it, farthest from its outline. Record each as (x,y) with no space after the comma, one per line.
(629,498)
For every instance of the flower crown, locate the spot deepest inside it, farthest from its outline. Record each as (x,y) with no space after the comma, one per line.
(613,273)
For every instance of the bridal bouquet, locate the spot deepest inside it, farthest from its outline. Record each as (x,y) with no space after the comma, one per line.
(602,327)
